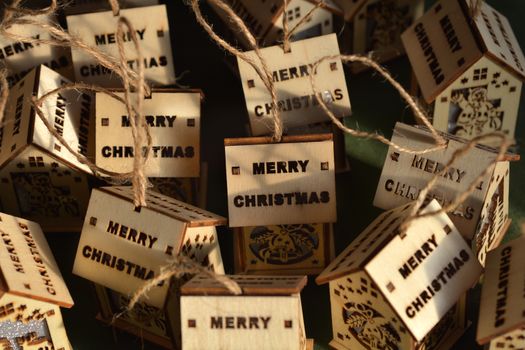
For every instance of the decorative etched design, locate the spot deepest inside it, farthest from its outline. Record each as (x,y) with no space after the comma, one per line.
(492,224)
(38,196)
(284,244)
(473,113)
(386,20)
(370,327)
(143,315)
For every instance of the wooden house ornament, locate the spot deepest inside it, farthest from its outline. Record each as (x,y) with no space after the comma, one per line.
(291,182)
(264,19)
(123,246)
(173,119)
(267,315)
(291,72)
(483,218)
(21,57)
(100,30)
(470,69)
(32,289)
(502,307)
(390,287)
(283,249)
(39,178)
(377,28)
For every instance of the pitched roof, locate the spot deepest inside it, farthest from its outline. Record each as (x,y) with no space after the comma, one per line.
(363,247)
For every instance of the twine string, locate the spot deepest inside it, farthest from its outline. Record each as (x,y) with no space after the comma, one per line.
(418,112)
(115,7)
(288,33)
(261,69)
(414,214)
(179,266)
(139,129)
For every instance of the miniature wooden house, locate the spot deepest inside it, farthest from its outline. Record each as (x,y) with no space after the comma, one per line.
(21,57)
(502,307)
(283,249)
(123,246)
(265,19)
(483,218)
(99,30)
(267,315)
(39,178)
(471,69)
(32,290)
(296,99)
(377,28)
(173,118)
(390,288)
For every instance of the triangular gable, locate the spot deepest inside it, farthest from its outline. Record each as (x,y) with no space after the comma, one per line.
(499,40)
(502,306)
(27,263)
(363,246)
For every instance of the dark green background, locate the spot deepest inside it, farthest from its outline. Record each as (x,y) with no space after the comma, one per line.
(376,106)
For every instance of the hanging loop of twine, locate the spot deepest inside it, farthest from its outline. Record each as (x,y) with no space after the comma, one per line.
(177,268)
(414,214)
(139,129)
(418,112)
(260,68)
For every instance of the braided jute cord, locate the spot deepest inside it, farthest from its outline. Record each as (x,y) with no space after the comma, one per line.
(179,266)
(262,71)
(288,33)
(418,112)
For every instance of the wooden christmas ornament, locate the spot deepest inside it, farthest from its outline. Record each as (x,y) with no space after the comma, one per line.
(483,218)
(173,119)
(502,307)
(99,30)
(267,315)
(394,287)
(291,72)
(39,178)
(21,57)
(289,182)
(122,246)
(264,19)
(32,289)
(283,249)
(470,68)
(377,28)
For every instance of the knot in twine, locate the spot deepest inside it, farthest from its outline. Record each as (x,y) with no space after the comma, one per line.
(179,266)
